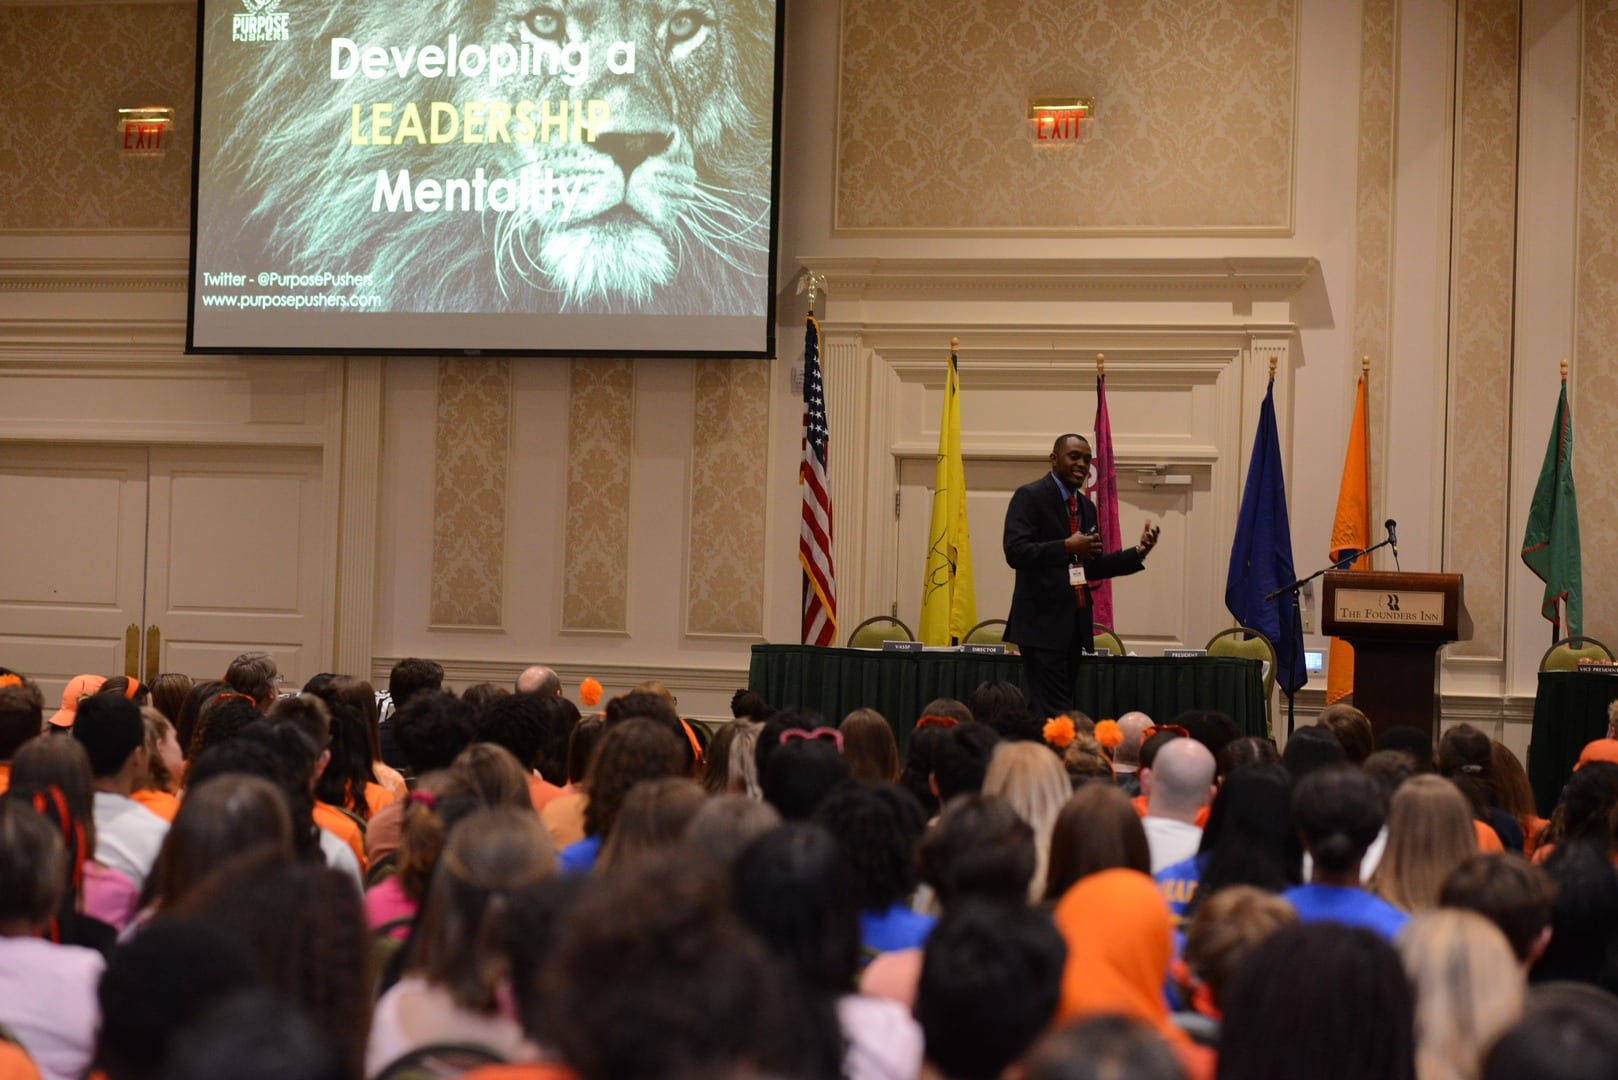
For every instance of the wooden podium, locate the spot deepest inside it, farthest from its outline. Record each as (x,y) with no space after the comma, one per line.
(1396,623)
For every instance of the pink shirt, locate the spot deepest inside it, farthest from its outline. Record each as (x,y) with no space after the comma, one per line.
(386,902)
(109,895)
(48,1000)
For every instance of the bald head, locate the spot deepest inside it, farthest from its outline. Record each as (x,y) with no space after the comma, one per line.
(540,680)
(1127,753)
(1181,780)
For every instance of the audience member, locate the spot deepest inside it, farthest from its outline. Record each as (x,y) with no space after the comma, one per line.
(157,983)
(1337,811)
(1468,987)
(168,693)
(1511,893)
(254,1035)
(1338,994)
(1430,833)
(1178,786)
(201,693)
(255,675)
(802,772)
(495,775)
(428,732)
(1414,742)
(1119,944)
(635,750)
(1097,830)
(1311,748)
(724,825)
(113,735)
(878,828)
(1104,1047)
(1126,755)
(1032,780)
(961,760)
(1228,925)
(451,992)
(1566,1033)
(654,817)
(1249,840)
(1515,795)
(222,817)
(795,888)
(516,722)
(47,990)
(1352,728)
(1466,758)
(77,689)
(991,979)
(869,747)
(1250,750)
(52,774)
(22,717)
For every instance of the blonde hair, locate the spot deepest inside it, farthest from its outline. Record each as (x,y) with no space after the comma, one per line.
(1031,778)
(1430,833)
(1468,986)
(157,775)
(743,762)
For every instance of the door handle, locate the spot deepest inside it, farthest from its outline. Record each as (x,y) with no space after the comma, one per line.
(154,644)
(132,651)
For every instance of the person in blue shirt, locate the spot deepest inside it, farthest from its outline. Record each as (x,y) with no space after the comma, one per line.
(1338,811)
(879,825)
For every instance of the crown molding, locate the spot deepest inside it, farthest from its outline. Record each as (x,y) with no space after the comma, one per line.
(1267,278)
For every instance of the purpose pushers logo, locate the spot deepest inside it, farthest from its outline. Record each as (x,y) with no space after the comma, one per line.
(262,21)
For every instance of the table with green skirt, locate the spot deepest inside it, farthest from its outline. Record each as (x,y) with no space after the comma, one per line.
(834,682)
(1570,709)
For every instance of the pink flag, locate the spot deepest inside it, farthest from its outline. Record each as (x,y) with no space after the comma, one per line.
(1103,491)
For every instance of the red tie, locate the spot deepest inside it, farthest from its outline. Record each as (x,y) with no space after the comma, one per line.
(1081,593)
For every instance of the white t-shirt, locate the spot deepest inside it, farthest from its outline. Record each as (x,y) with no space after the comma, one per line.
(128,836)
(48,1000)
(1170,841)
(884,1040)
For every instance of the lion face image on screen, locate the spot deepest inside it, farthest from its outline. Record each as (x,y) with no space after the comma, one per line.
(667,211)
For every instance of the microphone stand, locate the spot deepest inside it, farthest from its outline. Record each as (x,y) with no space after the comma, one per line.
(1296,587)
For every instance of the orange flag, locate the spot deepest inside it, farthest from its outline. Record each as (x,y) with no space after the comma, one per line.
(1350,535)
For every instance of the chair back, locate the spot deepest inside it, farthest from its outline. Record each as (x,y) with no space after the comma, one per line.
(987,632)
(1105,638)
(1566,654)
(871,633)
(1246,643)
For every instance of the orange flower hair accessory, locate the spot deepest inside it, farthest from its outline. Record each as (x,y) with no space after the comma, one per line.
(1059,731)
(10,680)
(590,693)
(1109,734)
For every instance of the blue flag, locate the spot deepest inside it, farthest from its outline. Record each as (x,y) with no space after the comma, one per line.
(1261,556)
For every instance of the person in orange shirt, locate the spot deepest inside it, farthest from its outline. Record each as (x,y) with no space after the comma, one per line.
(22,716)
(164,766)
(1119,945)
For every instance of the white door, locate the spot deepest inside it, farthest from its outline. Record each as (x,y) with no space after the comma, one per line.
(129,559)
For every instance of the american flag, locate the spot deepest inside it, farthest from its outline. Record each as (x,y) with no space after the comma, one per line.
(814,535)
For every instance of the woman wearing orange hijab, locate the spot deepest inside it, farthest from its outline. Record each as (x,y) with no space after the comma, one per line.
(1119,944)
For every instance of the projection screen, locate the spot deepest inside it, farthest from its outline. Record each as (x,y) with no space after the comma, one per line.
(575,177)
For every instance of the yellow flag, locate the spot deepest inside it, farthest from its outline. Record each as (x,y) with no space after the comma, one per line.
(948,606)
(1350,535)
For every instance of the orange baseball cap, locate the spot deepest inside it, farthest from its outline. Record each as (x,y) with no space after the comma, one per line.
(1598,750)
(77,687)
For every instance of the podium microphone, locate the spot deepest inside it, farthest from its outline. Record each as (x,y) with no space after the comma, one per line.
(1393,538)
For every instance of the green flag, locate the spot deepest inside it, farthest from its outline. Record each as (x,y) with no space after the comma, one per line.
(1550,544)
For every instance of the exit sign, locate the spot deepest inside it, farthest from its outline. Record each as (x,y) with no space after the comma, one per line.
(1058,120)
(145,132)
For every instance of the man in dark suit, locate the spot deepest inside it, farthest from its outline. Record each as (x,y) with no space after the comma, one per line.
(1052,543)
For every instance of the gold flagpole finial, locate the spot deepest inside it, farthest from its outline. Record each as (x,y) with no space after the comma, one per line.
(954,344)
(1365,365)
(1564,369)
(813,281)
(1101,364)
(1273,359)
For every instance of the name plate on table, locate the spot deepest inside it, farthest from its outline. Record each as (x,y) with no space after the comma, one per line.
(902,646)
(1184,654)
(1597,667)
(984,650)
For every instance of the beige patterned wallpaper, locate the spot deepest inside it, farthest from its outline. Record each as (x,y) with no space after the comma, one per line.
(1483,264)
(469,492)
(725,591)
(1192,130)
(1594,382)
(67,70)
(601,420)
(1373,224)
